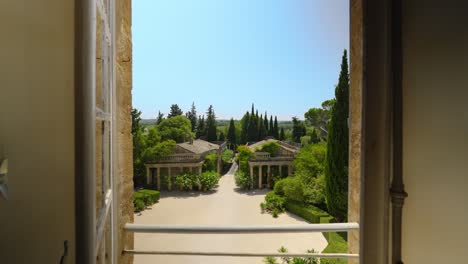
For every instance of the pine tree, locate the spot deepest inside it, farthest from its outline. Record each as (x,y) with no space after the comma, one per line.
(192,116)
(282,136)
(276,129)
(175,111)
(211,134)
(336,167)
(201,128)
(231,135)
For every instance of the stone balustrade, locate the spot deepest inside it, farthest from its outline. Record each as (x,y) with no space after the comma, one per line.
(181,157)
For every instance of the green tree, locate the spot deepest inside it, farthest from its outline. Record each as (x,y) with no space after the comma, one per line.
(192,116)
(138,148)
(176,128)
(266,125)
(231,135)
(221,137)
(271,129)
(252,128)
(276,129)
(299,130)
(211,134)
(175,111)
(201,127)
(314,136)
(261,129)
(336,173)
(245,121)
(159,118)
(282,135)
(158,151)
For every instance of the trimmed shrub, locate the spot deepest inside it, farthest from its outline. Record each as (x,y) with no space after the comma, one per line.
(138,205)
(186,181)
(274,204)
(309,213)
(243,180)
(152,194)
(208,180)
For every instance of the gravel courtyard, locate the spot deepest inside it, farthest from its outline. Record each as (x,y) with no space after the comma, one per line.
(226,205)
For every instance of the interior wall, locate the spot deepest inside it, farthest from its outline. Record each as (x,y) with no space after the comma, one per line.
(37,130)
(435,83)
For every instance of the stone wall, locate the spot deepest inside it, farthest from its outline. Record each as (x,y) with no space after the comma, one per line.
(124,123)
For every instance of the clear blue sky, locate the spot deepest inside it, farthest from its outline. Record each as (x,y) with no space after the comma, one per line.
(282,55)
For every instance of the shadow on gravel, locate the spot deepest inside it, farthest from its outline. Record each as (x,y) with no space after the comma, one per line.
(185,195)
(251,192)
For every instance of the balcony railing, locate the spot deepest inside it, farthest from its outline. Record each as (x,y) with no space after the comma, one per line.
(180,157)
(187,229)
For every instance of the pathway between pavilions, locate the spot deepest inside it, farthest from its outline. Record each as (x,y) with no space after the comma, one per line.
(226,205)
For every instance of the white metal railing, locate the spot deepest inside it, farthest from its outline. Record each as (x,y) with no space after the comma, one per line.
(253,229)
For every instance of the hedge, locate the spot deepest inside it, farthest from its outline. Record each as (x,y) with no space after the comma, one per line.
(143,198)
(336,241)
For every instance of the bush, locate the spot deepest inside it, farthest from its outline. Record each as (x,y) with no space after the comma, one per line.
(211,162)
(208,180)
(143,198)
(245,154)
(274,204)
(138,205)
(186,181)
(293,189)
(278,188)
(227,155)
(243,180)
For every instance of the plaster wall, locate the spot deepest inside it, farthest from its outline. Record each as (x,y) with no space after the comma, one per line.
(37,130)
(435,86)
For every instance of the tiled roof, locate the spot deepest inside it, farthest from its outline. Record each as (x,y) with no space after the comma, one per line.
(198,146)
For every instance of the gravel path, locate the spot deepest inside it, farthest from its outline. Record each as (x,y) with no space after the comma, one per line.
(224,206)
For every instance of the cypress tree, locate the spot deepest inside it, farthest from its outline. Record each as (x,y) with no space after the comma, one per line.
(261,129)
(211,134)
(252,129)
(282,136)
(276,129)
(245,128)
(201,129)
(271,129)
(221,136)
(231,135)
(266,126)
(336,167)
(192,116)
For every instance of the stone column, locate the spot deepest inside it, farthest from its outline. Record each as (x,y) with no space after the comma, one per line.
(260,177)
(281,171)
(200,170)
(268,176)
(158,175)
(169,179)
(289,170)
(148,175)
(251,175)
(191,169)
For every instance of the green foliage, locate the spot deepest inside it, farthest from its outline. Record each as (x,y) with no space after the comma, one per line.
(227,155)
(221,137)
(243,180)
(208,180)
(282,135)
(299,130)
(201,127)
(211,162)
(211,134)
(231,135)
(310,213)
(293,189)
(162,149)
(159,118)
(276,129)
(245,121)
(244,155)
(192,116)
(288,260)
(175,111)
(336,180)
(143,198)
(270,147)
(274,204)
(186,181)
(176,128)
